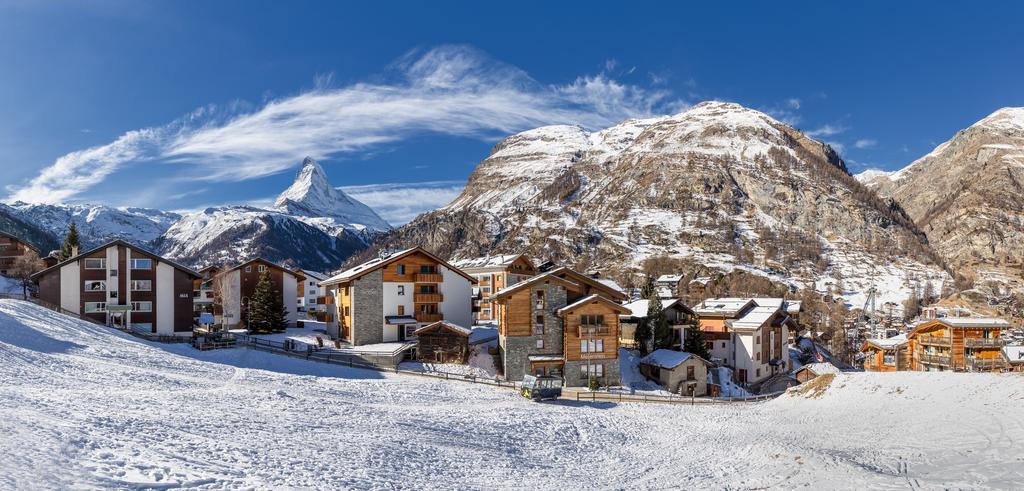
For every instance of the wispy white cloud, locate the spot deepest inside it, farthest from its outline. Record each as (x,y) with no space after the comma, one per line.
(453,90)
(400,203)
(793,103)
(865,143)
(827,130)
(837,146)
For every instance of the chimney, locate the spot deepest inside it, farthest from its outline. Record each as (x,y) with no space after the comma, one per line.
(74,251)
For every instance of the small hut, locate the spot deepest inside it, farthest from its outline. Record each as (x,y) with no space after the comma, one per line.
(678,371)
(813,370)
(442,342)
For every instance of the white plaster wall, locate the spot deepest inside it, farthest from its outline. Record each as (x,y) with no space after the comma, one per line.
(457,305)
(392,299)
(290,287)
(112,282)
(390,333)
(164,298)
(232,299)
(127,283)
(71,287)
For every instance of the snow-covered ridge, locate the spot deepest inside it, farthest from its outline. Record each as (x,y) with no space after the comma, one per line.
(871,174)
(98,223)
(1007,118)
(311,195)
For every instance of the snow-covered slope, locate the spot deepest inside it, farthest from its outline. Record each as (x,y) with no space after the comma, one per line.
(98,224)
(312,198)
(83,406)
(719,184)
(229,234)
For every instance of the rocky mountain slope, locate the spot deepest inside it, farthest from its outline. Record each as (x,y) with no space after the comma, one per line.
(719,183)
(97,224)
(968,196)
(313,225)
(13,224)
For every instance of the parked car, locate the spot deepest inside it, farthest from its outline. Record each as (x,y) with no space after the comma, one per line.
(541,388)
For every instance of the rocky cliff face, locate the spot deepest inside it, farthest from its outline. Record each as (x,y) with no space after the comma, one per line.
(312,198)
(722,184)
(967,194)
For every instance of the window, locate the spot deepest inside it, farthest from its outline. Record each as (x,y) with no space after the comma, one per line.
(113,294)
(485,291)
(758,340)
(428,289)
(889,358)
(142,264)
(261,268)
(595,370)
(401,290)
(95,307)
(142,306)
(758,356)
(248,269)
(723,344)
(401,310)
(592,346)
(400,269)
(538,326)
(346,311)
(312,283)
(540,344)
(427,269)
(113,273)
(142,285)
(690,375)
(539,303)
(95,263)
(757,373)
(600,345)
(592,320)
(95,286)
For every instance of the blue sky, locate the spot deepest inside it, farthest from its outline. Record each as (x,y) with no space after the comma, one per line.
(187,104)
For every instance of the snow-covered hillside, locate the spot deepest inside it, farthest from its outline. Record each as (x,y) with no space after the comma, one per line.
(83,406)
(98,224)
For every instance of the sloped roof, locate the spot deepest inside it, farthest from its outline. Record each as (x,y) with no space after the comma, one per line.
(754,318)
(117,242)
(498,261)
(616,294)
(508,290)
(594,298)
(669,359)
(638,308)
(670,278)
(445,325)
(314,275)
(379,262)
(722,306)
(1014,354)
(611,284)
(820,368)
(962,323)
(21,240)
(264,261)
(886,343)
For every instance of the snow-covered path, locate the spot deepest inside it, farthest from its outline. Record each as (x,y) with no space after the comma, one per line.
(84,406)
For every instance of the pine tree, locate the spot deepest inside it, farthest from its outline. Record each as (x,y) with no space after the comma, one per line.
(648,289)
(266,307)
(695,343)
(71,242)
(659,328)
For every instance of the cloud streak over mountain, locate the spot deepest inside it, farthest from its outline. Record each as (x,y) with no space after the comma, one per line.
(453,90)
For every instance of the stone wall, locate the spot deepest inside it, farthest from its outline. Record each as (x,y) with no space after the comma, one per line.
(368,309)
(515,350)
(612,374)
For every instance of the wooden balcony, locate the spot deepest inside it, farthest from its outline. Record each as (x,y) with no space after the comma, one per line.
(425,317)
(934,359)
(983,343)
(985,364)
(428,278)
(584,331)
(935,340)
(428,297)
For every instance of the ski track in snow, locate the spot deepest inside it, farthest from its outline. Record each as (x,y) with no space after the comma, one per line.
(84,406)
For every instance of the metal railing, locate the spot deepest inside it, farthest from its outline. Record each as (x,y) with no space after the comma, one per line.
(673,399)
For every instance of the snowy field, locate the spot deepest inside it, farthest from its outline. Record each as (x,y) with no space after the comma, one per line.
(82,406)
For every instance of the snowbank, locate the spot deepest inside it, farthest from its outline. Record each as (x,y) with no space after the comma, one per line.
(83,406)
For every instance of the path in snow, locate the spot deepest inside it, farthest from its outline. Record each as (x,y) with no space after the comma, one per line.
(85,406)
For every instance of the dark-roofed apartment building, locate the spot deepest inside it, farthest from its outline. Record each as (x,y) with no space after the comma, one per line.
(121,285)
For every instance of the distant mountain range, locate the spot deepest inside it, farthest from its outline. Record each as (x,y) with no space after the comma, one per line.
(312,225)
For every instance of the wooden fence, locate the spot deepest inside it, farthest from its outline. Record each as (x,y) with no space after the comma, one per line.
(589,396)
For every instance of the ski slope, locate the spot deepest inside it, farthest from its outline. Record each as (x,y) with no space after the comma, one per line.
(84,406)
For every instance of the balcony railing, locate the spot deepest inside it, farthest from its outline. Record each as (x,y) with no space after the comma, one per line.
(935,340)
(428,297)
(425,317)
(985,365)
(983,342)
(428,278)
(934,359)
(593,330)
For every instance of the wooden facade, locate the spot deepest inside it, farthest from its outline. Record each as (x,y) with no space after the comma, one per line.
(12,248)
(958,343)
(886,355)
(591,330)
(493,274)
(442,342)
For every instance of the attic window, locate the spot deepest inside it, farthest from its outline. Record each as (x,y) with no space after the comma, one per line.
(248,269)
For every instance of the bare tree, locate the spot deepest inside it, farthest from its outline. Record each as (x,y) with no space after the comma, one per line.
(223,291)
(23,268)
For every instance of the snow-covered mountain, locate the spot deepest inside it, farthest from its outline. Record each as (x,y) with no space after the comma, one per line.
(12,223)
(224,235)
(97,224)
(313,200)
(719,184)
(312,225)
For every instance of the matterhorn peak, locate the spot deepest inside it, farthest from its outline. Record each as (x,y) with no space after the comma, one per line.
(311,195)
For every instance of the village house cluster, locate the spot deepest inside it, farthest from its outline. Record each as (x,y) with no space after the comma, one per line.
(547,320)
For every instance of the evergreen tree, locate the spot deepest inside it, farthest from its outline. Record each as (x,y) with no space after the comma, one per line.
(266,307)
(71,242)
(695,343)
(660,331)
(648,288)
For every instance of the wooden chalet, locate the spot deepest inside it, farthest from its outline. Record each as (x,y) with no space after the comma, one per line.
(12,248)
(887,355)
(443,342)
(958,343)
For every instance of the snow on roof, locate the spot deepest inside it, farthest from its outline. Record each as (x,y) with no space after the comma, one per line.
(821,368)
(889,343)
(546,358)
(355,271)
(769,302)
(721,305)
(1014,354)
(703,280)
(588,299)
(670,278)
(638,308)
(454,327)
(611,284)
(530,281)
(755,318)
(975,322)
(497,261)
(313,274)
(793,306)
(668,359)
